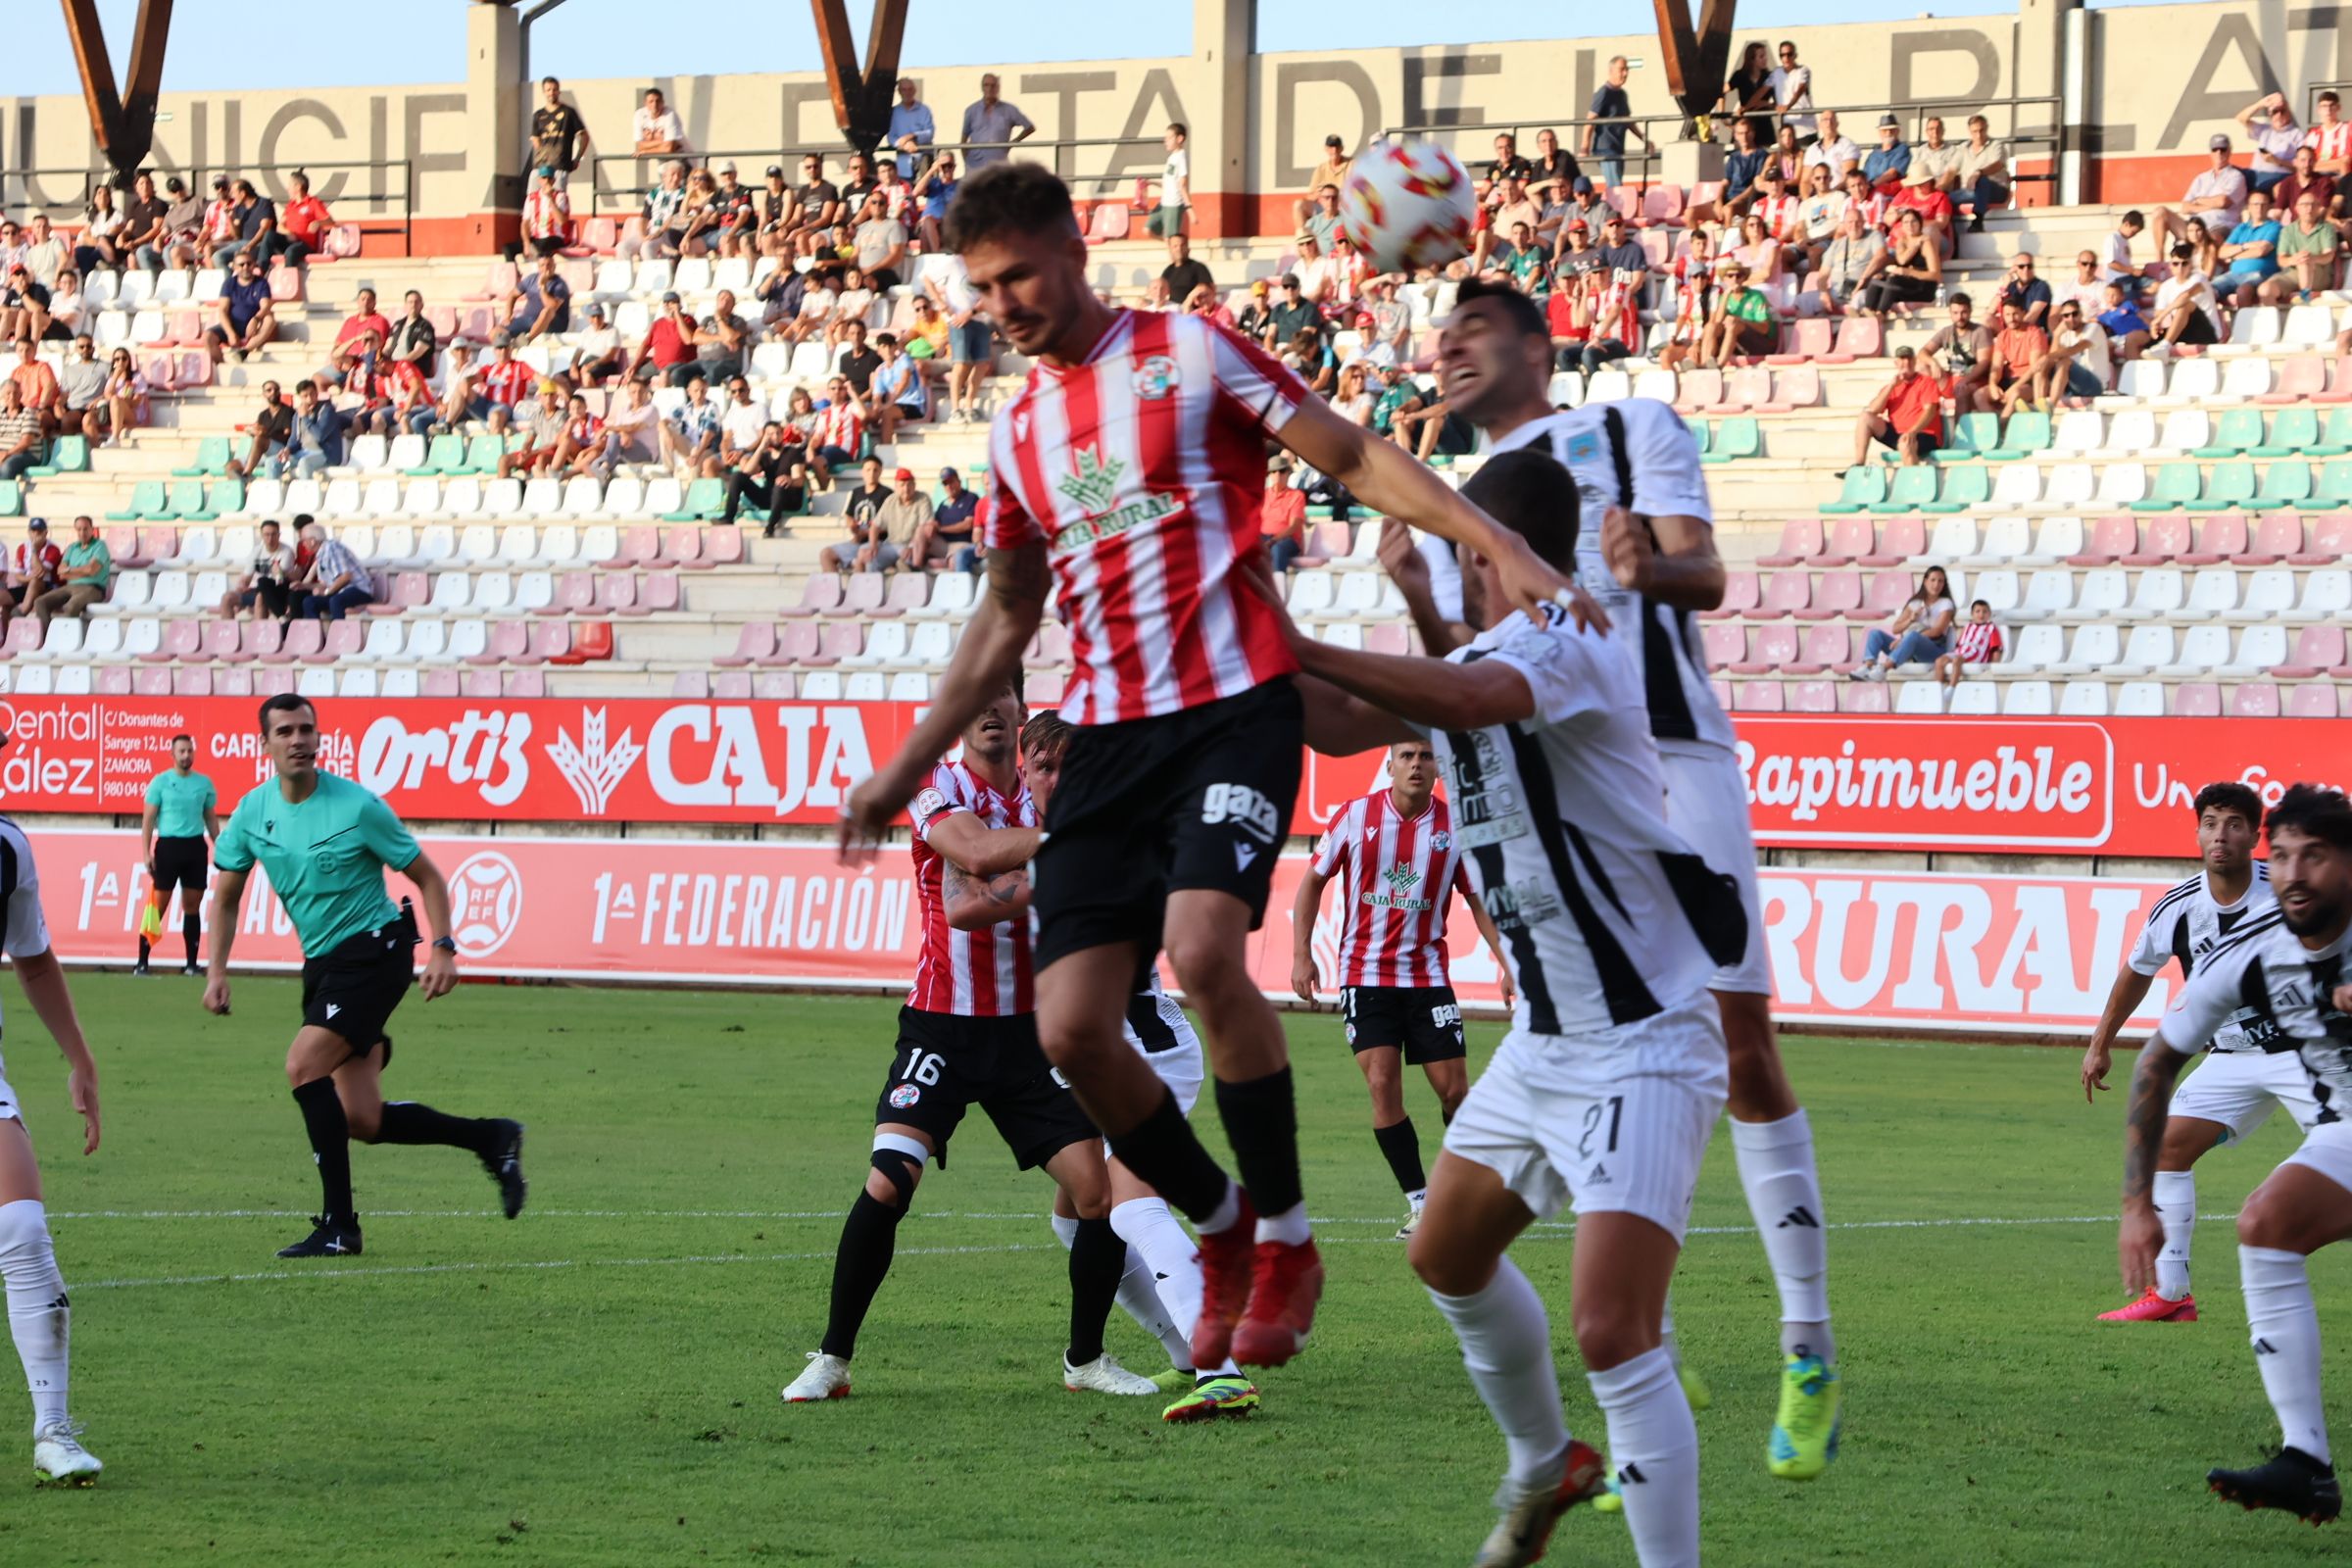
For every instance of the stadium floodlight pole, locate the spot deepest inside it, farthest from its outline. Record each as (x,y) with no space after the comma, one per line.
(861,98)
(522,24)
(122,118)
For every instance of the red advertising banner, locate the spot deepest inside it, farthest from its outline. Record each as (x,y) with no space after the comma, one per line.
(2040,786)
(1899,951)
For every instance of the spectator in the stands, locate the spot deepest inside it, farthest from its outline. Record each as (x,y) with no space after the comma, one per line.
(1743,324)
(723,340)
(911,132)
(1620,252)
(1526,268)
(1616,323)
(1612,120)
(2116,264)
(401,399)
(2025,289)
(244,317)
(412,339)
(597,356)
(690,436)
(508,381)
(143,234)
(29,571)
(125,394)
(1310,353)
(2018,351)
(1906,417)
(1773,205)
(2251,253)
(990,124)
(220,218)
(858,184)
(1747,92)
(1792,92)
(1834,148)
(2270,127)
(578,442)
(931,195)
(267,433)
(2186,311)
(1693,303)
(1175,202)
(658,222)
(1740,167)
(1860,198)
(1819,213)
(1982,180)
(338,582)
(952,524)
(1940,159)
(881,245)
(1935,209)
(1352,399)
(83,578)
(839,433)
(1911,273)
(2308,248)
(1758,251)
(546,214)
(2216,200)
(1319,215)
(667,348)
(896,392)
(2118,317)
(462,394)
(184,228)
(257,237)
(1184,273)
(778,209)
(317,444)
(817,207)
(857,362)
(773,473)
(102,231)
(1786,153)
(1553,174)
(1919,634)
(700,222)
(2086,287)
(868,546)
(65,308)
(1280,515)
(22,437)
(2330,135)
(35,382)
(306,225)
(851,308)
(43,254)
(2306,177)
(82,387)
(1332,171)
(266,586)
(558,135)
(24,306)
(1292,313)
(365,321)
(632,432)
(1511,205)
(1978,642)
(2079,363)
(907,515)
(1567,316)
(1886,165)
(656,131)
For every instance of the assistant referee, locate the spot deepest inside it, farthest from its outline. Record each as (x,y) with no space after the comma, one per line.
(181,815)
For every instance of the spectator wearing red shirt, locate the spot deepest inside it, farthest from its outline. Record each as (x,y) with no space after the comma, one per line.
(1919,194)
(305,222)
(505,381)
(352,337)
(669,346)
(1978,642)
(1907,414)
(1281,515)
(2018,350)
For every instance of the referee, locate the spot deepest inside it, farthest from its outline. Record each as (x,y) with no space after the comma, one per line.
(326,842)
(181,815)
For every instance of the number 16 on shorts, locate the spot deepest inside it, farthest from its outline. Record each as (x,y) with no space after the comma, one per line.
(916,1066)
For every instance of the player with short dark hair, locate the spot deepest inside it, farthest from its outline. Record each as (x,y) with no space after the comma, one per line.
(179,817)
(2236,1089)
(967,1036)
(325,843)
(1128,474)
(2279,978)
(1400,855)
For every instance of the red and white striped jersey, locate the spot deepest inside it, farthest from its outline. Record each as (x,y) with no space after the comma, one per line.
(1400,874)
(1142,470)
(2330,142)
(976,974)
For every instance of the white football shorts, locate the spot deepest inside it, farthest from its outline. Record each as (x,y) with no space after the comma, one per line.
(2240,1089)
(1707,805)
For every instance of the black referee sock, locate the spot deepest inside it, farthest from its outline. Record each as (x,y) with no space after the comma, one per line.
(142,953)
(1261,1118)
(192,931)
(406,1122)
(331,1146)
(1400,1146)
(1098,1260)
(1166,1154)
(860,1262)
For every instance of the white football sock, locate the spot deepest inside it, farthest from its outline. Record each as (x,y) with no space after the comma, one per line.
(1784,1197)
(1171,1266)
(39,1319)
(1653,1444)
(1138,1296)
(1506,1343)
(2176,1194)
(1666,1339)
(2285,1329)
(1289,1227)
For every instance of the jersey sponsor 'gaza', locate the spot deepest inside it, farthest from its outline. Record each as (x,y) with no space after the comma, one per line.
(1142,470)
(978,974)
(1400,875)
(1637,454)
(1607,917)
(2188,924)
(2281,995)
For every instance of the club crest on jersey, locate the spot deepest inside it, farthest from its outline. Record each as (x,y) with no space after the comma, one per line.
(1156,377)
(1582,447)
(1440,841)
(903,1095)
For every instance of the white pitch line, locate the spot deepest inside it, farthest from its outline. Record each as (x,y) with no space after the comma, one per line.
(1954,1222)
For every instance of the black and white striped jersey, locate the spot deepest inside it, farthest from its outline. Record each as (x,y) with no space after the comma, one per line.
(2280,995)
(1607,917)
(1637,454)
(1155,1023)
(2188,924)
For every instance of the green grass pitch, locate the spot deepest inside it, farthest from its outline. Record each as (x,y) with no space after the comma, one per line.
(596,1383)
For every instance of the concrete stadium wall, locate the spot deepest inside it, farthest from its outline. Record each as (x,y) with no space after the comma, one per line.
(2160,81)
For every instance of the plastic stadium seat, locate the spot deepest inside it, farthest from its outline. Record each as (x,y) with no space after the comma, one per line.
(2318,651)
(1724,645)
(2284,485)
(1865,487)
(1742,592)
(1700,387)
(1823,648)
(2314,700)
(1769,648)
(1919,697)
(2157,595)
(1836,594)
(2111,539)
(2160,541)
(1801,542)
(1788,592)
(1735,439)
(1757,697)
(1971,436)
(1962,488)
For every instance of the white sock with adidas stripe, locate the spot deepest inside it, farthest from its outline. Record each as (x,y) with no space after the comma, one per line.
(1783,1195)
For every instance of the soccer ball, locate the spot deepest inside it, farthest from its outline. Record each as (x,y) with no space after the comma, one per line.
(1407,204)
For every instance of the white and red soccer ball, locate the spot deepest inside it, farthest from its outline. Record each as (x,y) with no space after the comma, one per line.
(1408,205)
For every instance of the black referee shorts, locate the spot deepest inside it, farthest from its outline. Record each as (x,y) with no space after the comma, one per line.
(1147,807)
(181,863)
(353,988)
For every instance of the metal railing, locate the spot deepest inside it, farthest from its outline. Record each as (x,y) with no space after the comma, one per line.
(618,181)
(23,189)
(1655,132)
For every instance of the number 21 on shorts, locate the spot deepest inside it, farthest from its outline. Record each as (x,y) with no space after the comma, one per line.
(1610,1112)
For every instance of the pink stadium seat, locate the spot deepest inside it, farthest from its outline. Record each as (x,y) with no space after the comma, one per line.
(474,325)
(639,546)
(1836,594)
(1725,644)
(1769,647)
(272,682)
(575,595)
(1788,592)
(2111,540)
(550,643)
(191,367)
(161,367)
(409,590)
(581,275)
(616,593)
(498,284)
(23,636)
(2300,378)
(659,593)
(2277,537)
(122,543)
(233,683)
(2339,389)
(732,685)
(261,639)
(820,595)
(159,543)
(1813,697)
(755,641)
(444,320)
(1806,340)
(2202,699)
(1699,388)
(797,644)
(439,682)
(1757,697)
(285,283)
(114,680)
(1723,692)
(1899,539)
(480,683)
(1825,646)
(776,686)
(1858,337)
(838,642)
(1662,207)
(861,596)
(2217,540)
(1797,387)
(224,641)
(192,682)
(1887,592)
(2317,649)
(183,638)
(342,244)
(1863,696)
(523,683)
(1050,649)
(599,235)
(683,547)
(2314,700)
(183,329)
(154,682)
(908,590)
(1741,591)
(343,640)
(1626,201)
(2160,540)
(1808,296)
(690,684)
(303,641)
(1801,543)
(722,546)
(2256,699)
(501,640)
(2330,541)
(1745,389)
(1850,540)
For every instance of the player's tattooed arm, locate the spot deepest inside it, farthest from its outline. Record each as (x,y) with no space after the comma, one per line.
(2141,1235)
(976,902)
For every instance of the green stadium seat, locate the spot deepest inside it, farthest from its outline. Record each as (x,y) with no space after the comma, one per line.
(2334,486)
(1963,488)
(186,502)
(1865,487)
(2293,433)
(2283,484)
(224,497)
(70,454)
(1735,439)
(445,456)
(705,499)
(2028,432)
(2335,438)
(2238,432)
(146,502)
(2230,485)
(211,460)
(2177,485)
(1701,432)
(12,498)
(1973,434)
(483,455)
(1912,489)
